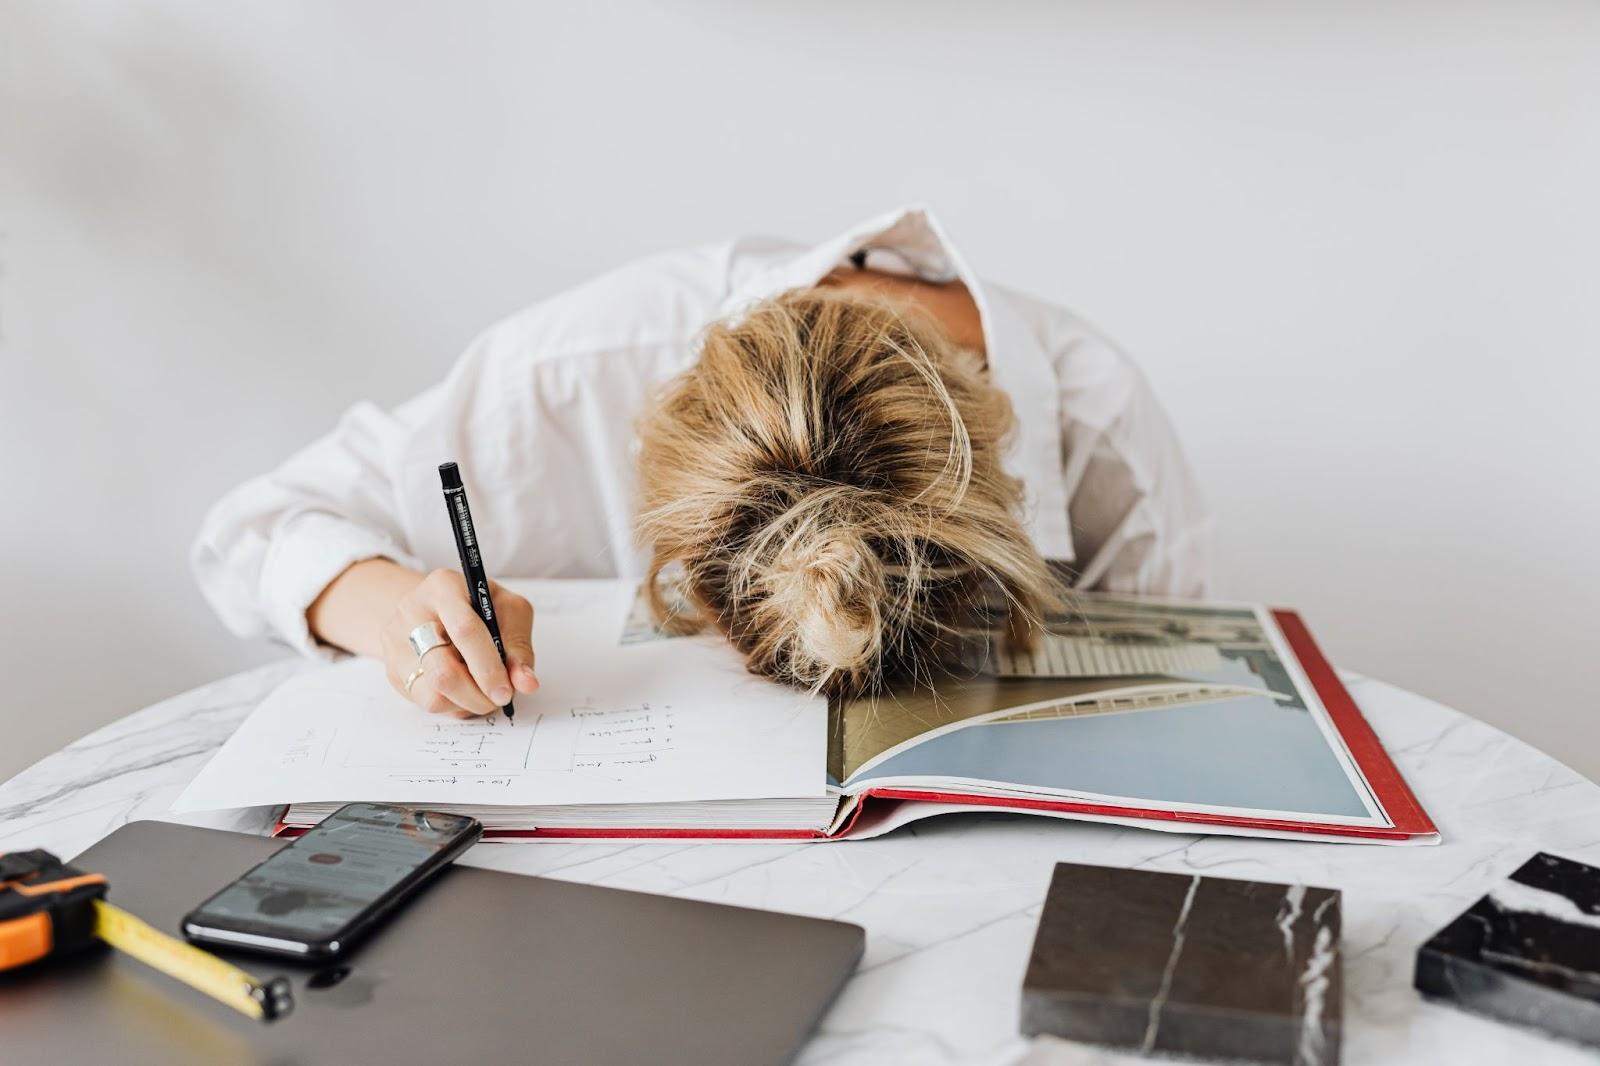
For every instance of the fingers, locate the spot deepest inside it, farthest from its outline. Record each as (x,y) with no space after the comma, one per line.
(468,678)
(471,637)
(446,677)
(444,596)
(425,690)
(515,615)
(522,675)
(443,686)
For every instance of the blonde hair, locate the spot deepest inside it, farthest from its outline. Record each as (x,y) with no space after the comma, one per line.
(828,477)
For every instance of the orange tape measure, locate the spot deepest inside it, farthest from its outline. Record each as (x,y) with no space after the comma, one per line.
(50,908)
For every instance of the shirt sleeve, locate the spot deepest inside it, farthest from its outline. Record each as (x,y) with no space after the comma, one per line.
(269,547)
(540,404)
(1139,522)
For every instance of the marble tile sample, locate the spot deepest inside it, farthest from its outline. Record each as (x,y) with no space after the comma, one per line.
(1527,953)
(1183,964)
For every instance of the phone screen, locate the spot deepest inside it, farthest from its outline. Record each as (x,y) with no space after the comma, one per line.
(317,888)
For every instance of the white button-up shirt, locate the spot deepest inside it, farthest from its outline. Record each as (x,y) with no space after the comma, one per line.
(539,413)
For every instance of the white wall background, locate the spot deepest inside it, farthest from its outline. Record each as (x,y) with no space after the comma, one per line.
(1356,247)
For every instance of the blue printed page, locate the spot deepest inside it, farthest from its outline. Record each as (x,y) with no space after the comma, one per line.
(1148,704)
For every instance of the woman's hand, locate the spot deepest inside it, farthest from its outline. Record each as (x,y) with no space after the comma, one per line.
(373,606)
(465,679)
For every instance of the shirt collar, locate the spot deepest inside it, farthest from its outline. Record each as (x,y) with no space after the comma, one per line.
(1018,362)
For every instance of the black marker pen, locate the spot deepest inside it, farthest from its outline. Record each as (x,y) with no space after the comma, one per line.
(455,501)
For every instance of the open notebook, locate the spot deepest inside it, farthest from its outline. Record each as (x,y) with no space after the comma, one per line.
(1174,715)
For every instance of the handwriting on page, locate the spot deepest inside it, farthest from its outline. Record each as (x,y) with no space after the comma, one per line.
(590,738)
(309,747)
(585,739)
(417,742)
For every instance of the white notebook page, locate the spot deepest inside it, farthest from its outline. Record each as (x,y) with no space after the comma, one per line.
(651,722)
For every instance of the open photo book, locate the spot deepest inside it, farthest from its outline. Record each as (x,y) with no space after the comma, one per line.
(1184,716)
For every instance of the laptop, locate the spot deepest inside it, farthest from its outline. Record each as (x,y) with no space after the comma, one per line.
(481,967)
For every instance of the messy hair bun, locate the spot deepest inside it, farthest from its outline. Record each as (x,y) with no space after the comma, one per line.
(828,478)
(827,587)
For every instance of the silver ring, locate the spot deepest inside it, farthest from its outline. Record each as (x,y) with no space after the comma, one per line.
(426,638)
(412,680)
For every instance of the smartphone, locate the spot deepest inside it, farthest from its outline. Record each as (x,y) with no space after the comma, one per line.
(321,894)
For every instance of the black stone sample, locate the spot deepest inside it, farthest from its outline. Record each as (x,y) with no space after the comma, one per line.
(1183,964)
(1527,953)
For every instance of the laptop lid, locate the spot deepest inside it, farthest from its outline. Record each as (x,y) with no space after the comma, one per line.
(481,967)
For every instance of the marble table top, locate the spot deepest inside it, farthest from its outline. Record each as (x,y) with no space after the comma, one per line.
(950,904)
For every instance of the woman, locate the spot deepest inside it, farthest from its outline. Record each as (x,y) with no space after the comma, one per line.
(831,449)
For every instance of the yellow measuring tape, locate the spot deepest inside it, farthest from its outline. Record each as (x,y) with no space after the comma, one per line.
(222,981)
